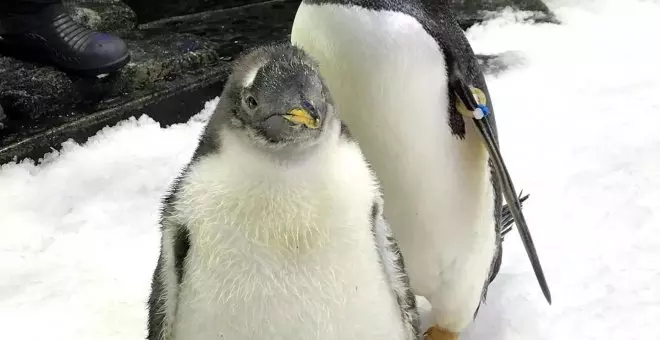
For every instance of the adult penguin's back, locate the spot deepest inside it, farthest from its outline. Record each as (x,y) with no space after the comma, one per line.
(394,69)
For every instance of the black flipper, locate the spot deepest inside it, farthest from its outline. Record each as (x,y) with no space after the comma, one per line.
(507,218)
(157,304)
(464,93)
(177,242)
(181,247)
(505,224)
(395,271)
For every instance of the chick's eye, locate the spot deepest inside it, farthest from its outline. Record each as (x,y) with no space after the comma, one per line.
(307,105)
(251,102)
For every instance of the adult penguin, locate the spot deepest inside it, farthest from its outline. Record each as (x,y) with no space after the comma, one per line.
(408,85)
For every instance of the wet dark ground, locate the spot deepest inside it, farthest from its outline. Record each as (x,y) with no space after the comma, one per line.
(182,61)
(234,29)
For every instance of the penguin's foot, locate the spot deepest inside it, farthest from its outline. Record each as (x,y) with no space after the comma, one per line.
(437,333)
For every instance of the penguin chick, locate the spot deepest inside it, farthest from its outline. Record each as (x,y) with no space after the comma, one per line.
(275,228)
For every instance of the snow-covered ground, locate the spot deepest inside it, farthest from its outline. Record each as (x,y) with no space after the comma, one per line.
(579,125)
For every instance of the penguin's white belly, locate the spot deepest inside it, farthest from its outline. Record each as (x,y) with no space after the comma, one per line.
(389,80)
(293,259)
(312,298)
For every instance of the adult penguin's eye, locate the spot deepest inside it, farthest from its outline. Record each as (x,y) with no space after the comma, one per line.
(251,102)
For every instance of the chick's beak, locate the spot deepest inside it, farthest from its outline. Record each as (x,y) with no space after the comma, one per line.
(303,117)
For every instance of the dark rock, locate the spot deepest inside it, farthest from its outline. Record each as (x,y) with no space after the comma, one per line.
(30,91)
(177,64)
(470,12)
(235,27)
(112,16)
(3,116)
(150,10)
(172,105)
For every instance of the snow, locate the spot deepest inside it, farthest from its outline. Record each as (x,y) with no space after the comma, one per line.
(577,121)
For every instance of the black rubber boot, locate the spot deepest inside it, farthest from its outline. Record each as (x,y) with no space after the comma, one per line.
(52,36)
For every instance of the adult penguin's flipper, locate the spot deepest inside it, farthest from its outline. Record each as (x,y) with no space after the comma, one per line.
(506,218)
(477,110)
